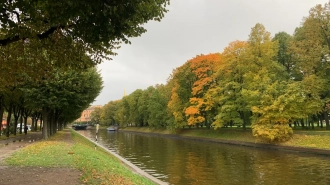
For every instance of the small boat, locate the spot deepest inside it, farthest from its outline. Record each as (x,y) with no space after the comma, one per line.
(79,127)
(112,128)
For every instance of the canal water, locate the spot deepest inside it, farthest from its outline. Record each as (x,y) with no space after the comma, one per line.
(189,162)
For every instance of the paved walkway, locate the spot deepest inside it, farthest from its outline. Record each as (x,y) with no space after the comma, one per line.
(11,144)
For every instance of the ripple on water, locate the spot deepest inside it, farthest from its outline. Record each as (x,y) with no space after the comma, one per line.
(179,161)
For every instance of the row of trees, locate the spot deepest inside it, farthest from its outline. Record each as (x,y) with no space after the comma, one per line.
(268,83)
(49,50)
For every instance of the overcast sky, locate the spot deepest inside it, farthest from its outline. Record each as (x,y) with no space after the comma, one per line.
(190,28)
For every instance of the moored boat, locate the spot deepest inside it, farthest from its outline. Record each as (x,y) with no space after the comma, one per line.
(112,128)
(79,127)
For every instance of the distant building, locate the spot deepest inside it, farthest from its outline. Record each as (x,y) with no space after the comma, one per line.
(86,114)
(4,123)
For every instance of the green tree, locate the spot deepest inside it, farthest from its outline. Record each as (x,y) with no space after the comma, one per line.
(311,48)
(160,116)
(135,117)
(123,112)
(108,113)
(181,85)
(283,54)
(232,107)
(63,96)
(264,83)
(97,25)
(143,104)
(96,115)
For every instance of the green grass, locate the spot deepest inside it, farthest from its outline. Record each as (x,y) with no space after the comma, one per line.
(4,137)
(307,139)
(97,165)
(223,133)
(149,130)
(54,152)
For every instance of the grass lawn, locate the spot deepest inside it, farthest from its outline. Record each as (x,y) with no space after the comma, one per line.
(97,166)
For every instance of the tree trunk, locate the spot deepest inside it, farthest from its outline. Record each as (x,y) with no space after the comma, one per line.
(45,116)
(16,111)
(25,120)
(2,110)
(21,121)
(241,114)
(55,122)
(60,124)
(10,108)
(41,122)
(38,117)
(25,114)
(51,123)
(326,118)
(41,126)
(32,124)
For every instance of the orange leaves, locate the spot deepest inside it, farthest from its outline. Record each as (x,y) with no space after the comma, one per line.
(191,82)
(191,111)
(204,66)
(200,85)
(194,111)
(195,120)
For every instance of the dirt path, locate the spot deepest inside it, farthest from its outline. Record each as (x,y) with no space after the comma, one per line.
(12,175)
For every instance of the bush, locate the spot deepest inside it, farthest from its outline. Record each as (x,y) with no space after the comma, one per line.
(272,133)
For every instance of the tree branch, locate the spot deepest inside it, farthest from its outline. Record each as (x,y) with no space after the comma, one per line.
(44,35)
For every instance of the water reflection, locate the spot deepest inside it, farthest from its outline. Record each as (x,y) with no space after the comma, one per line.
(181,162)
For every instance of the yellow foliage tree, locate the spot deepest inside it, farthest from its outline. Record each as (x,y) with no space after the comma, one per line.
(204,67)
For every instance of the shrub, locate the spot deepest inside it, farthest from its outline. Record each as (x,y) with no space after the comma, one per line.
(272,133)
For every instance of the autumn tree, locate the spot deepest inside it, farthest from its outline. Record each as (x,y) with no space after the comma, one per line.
(203,66)
(182,82)
(264,83)
(232,108)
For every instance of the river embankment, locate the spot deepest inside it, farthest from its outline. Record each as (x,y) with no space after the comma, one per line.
(74,157)
(311,142)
